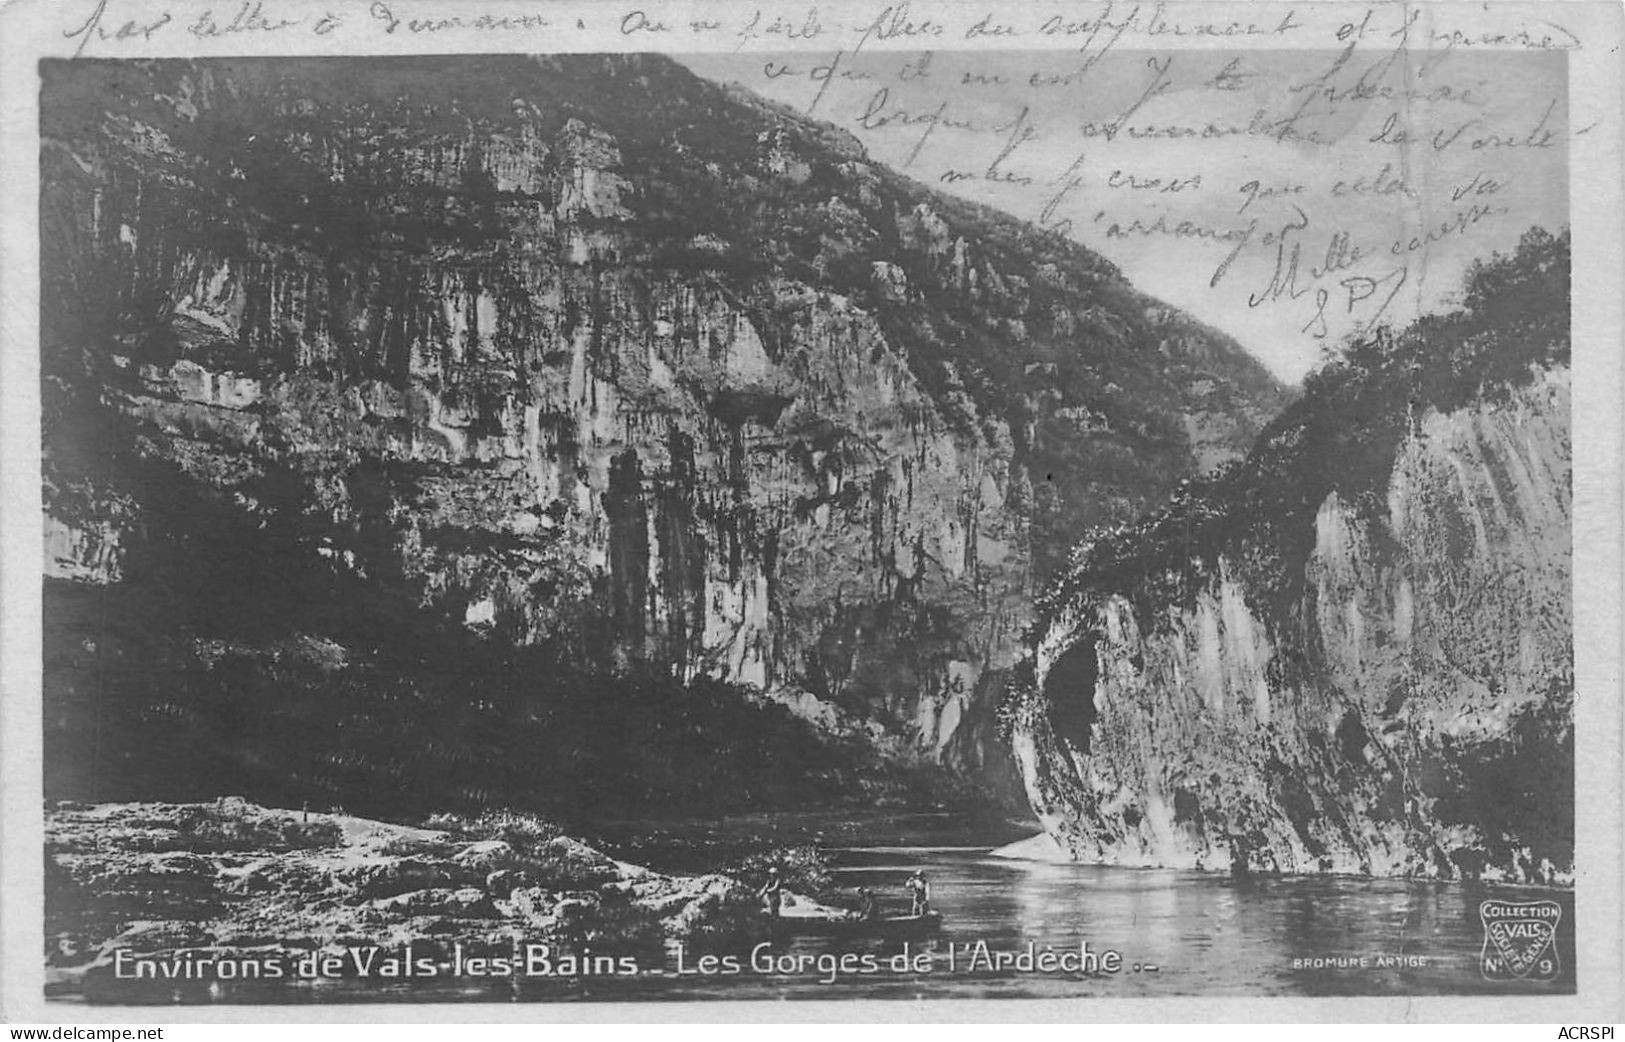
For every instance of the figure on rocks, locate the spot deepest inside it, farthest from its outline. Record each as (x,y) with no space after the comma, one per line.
(772,893)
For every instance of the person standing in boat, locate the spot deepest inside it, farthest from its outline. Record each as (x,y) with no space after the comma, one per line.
(866,904)
(772,892)
(919,892)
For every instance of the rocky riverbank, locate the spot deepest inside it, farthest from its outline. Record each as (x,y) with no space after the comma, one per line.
(174,885)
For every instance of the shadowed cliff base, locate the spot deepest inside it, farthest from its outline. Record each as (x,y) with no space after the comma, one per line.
(400,720)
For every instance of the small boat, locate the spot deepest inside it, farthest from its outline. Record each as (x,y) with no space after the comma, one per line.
(853,926)
(901,925)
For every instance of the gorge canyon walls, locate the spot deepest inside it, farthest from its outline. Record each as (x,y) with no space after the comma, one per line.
(591,354)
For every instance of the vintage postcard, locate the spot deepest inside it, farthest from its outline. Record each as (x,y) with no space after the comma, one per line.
(531,510)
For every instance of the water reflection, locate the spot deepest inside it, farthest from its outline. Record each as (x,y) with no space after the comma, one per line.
(1204,934)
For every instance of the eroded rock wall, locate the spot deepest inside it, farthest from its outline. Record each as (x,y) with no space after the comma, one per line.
(588,351)
(1411,715)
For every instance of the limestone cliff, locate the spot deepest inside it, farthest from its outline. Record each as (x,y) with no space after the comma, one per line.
(586,352)
(1353,653)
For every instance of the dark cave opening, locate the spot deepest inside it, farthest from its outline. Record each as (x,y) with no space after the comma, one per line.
(1070,690)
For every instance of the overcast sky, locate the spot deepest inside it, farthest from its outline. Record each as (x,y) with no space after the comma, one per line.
(1349,160)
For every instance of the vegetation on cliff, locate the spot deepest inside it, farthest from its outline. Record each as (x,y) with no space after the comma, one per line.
(375,173)
(1340,437)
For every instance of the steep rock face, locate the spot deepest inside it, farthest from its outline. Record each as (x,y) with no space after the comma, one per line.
(1393,696)
(588,351)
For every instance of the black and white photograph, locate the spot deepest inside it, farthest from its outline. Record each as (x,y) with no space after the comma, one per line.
(829,503)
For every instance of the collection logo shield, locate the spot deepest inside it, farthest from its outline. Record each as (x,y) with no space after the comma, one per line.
(1520,940)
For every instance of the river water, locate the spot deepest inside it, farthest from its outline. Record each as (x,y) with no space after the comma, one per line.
(1171,932)
(1176,933)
